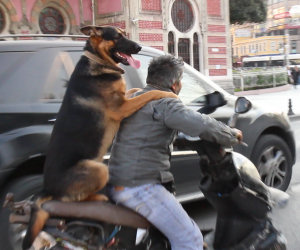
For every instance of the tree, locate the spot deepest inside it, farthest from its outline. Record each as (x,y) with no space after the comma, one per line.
(242,11)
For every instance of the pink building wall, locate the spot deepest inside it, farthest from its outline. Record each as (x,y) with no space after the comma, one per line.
(18,7)
(74,4)
(151,5)
(29,6)
(87,10)
(214,7)
(109,6)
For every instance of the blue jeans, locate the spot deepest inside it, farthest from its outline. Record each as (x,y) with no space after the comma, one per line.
(162,209)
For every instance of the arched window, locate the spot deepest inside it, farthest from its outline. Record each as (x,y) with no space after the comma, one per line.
(2,20)
(171,47)
(196,52)
(182,15)
(51,21)
(184,49)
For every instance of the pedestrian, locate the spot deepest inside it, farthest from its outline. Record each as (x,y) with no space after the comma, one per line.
(296,76)
(139,165)
(289,76)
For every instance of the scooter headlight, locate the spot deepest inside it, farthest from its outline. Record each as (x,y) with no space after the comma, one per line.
(243,163)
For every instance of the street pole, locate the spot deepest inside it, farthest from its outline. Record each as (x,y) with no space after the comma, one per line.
(287,37)
(93,12)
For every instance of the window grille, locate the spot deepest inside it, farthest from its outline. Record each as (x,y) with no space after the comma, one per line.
(196,52)
(51,21)
(184,49)
(171,46)
(182,15)
(2,20)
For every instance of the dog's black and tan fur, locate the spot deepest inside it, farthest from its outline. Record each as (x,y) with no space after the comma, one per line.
(93,106)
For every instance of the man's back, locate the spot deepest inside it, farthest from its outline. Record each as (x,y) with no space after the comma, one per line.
(141,150)
(140,157)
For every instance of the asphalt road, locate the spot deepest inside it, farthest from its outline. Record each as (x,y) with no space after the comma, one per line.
(279,101)
(287,219)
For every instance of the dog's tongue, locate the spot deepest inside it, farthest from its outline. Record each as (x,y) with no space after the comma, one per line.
(133,62)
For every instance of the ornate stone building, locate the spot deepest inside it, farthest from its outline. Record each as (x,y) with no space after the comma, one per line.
(197,30)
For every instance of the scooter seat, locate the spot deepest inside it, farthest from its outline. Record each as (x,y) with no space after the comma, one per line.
(96,210)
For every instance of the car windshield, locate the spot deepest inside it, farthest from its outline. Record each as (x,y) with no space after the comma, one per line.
(40,76)
(194,85)
(194,88)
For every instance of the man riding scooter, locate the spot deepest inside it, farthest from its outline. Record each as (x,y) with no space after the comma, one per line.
(140,158)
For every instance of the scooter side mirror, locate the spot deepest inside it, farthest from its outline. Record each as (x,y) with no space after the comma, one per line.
(242,105)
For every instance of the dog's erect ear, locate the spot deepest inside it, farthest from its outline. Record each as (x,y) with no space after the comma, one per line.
(123,32)
(91,30)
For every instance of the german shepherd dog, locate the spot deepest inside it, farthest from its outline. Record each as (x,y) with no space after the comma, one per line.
(92,109)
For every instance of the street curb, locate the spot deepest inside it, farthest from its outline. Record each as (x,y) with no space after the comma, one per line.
(294,117)
(263,91)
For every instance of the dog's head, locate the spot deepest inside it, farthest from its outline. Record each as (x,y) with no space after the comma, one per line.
(111,45)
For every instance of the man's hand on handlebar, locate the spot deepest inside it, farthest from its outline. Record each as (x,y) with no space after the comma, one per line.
(238,135)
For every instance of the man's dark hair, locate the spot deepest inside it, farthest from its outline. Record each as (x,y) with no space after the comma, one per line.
(165,70)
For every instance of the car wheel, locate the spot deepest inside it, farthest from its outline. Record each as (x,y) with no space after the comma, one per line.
(11,236)
(273,159)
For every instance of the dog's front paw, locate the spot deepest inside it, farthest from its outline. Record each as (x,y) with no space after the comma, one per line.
(97,197)
(164,94)
(171,95)
(130,92)
(102,197)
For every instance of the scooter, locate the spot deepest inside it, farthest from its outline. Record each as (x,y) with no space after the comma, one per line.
(229,181)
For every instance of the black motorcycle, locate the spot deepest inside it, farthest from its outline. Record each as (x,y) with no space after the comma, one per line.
(229,181)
